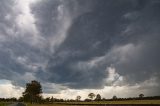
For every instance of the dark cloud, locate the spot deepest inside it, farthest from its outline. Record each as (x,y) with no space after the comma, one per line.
(73,42)
(19,53)
(95,33)
(46,21)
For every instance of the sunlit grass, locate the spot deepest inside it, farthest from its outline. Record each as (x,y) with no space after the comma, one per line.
(46,105)
(125,102)
(101,102)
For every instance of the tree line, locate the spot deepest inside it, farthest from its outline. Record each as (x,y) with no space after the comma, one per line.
(33,94)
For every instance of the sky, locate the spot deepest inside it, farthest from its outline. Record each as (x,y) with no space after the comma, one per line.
(75,47)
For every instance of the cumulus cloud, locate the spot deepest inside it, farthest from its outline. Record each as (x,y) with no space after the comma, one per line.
(8,90)
(108,92)
(73,44)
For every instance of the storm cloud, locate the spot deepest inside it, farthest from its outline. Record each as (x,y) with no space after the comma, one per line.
(81,44)
(114,33)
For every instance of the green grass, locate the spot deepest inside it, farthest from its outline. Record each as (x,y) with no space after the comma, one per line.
(93,102)
(46,105)
(120,102)
(4,103)
(101,102)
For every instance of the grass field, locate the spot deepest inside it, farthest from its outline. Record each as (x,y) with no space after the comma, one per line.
(101,102)
(4,103)
(46,105)
(123,102)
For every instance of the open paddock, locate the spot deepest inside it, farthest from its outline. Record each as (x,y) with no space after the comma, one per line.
(105,103)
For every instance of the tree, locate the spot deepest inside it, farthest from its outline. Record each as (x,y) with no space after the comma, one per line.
(48,99)
(141,95)
(91,95)
(52,99)
(114,97)
(98,97)
(78,98)
(33,92)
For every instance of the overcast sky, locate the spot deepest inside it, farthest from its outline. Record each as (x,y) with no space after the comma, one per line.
(74,47)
